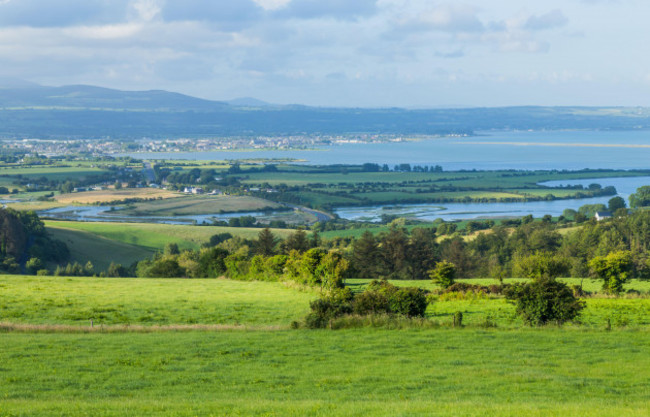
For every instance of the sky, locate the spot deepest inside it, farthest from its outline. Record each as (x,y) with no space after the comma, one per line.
(348,53)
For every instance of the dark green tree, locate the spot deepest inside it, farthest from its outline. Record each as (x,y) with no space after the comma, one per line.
(265,244)
(366,256)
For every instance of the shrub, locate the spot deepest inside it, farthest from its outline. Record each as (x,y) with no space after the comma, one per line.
(371,302)
(613,269)
(443,274)
(543,301)
(409,302)
(325,309)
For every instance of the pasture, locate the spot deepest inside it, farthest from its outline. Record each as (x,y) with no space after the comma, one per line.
(156,236)
(100,251)
(187,205)
(363,372)
(141,301)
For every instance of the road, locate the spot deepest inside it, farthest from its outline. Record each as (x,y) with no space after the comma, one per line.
(320,216)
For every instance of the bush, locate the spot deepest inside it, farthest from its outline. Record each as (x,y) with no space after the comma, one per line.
(443,274)
(409,302)
(371,302)
(324,310)
(543,301)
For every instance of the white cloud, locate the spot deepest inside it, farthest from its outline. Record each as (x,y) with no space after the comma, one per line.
(146,10)
(550,20)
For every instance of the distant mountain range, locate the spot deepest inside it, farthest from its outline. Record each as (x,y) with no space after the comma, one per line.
(31,110)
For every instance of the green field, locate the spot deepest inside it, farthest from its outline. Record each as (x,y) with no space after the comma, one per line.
(51,172)
(113,301)
(156,236)
(100,251)
(327,373)
(328,187)
(219,347)
(55,300)
(185,205)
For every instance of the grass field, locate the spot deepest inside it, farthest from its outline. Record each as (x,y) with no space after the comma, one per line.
(51,172)
(366,372)
(105,196)
(111,301)
(156,236)
(198,205)
(101,251)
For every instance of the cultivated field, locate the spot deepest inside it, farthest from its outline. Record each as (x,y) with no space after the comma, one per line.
(106,196)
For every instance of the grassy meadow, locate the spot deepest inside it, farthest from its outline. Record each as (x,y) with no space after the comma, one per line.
(100,251)
(155,236)
(131,301)
(219,347)
(366,372)
(185,205)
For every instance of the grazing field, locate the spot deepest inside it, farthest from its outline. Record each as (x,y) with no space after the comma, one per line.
(156,236)
(368,372)
(106,196)
(329,187)
(100,251)
(51,172)
(143,301)
(187,205)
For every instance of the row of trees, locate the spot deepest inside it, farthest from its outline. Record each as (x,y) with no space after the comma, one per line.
(24,243)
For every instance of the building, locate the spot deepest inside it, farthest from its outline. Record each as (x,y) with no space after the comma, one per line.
(602,215)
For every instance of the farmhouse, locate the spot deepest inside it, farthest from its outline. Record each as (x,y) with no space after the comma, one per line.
(602,215)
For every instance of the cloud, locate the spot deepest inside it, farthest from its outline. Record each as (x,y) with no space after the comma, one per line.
(339,9)
(228,14)
(550,20)
(452,18)
(60,13)
(458,53)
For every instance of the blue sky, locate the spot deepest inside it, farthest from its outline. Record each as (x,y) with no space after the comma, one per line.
(367,53)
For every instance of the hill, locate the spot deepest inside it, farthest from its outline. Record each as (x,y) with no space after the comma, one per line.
(28,110)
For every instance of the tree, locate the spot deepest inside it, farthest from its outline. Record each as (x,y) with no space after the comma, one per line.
(422,252)
(443,274)
(366,256)
(544,300)
(541,265)
(615,203)
(331,270)
(613,269)
(641,198)
(266,242)
(394,248)
(296,241)
(33,265)
(171,249)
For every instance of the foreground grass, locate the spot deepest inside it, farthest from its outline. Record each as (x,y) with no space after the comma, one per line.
(118,301)
(548,372)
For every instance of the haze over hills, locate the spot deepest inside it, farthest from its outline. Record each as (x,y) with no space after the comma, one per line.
(31,110)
